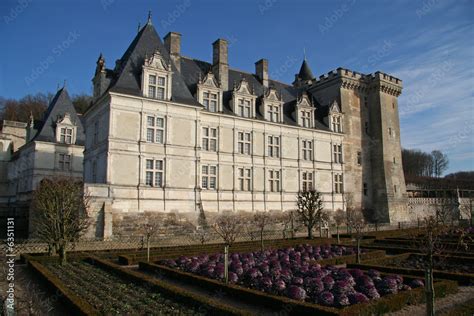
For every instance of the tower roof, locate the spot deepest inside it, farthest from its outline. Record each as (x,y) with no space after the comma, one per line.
(305,72)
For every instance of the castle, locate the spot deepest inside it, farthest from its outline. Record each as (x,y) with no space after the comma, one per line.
(168,133)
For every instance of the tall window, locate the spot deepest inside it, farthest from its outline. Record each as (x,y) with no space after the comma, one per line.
(274,113)
(65,136)
(307,181)
(96,132)
(337,153)
(366,188)
(305,118)
(155,129)
(359,158)
(209,139)
(154,173)
(338,186)
(307,150)
(367,128)
(210,101)
(64,162)
(274,180)
(156,87)
(245,179)
(336,124)
(244,108)
(209,177)
(244,143)
(274,146)
(94,171)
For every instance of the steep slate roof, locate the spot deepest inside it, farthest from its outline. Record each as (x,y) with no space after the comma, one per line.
(126,77)
(305,72)
(59,105)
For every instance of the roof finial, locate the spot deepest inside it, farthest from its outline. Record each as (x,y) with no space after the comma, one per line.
(64,85)
(149,18)
(304,52)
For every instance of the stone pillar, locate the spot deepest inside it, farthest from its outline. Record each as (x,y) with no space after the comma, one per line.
(173,45)
(261,70)
(220,65)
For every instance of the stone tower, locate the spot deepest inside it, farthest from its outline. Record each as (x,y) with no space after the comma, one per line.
(372,152)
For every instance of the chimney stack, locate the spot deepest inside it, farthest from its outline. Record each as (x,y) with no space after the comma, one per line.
(173,45)
(261,70)
(220,66)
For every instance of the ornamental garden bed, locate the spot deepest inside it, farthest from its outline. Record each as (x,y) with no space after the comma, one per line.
(96,287)
(459,269)
(395,291)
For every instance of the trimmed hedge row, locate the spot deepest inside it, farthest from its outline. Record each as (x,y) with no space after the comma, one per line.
(213,306)
(379,264)
(400,250)
(385,304)
(174,252)
(76,304)
(351,258)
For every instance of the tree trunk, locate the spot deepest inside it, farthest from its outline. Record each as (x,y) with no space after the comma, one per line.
(261,240)
(148,249)
(62,254)
(337,232)
(320,230)
(429,290)
(226,263)
(310,232)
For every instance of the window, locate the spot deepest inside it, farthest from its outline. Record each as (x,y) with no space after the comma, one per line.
(390,132)
(245,179)
(393,105)
(155,129)
(359,158)
(244,108)
(394,160)
(336,124)
(274,113)
(395,188)
(154,173)
(65,135)
(209,139)
(244,143)
(338,187)
(305,118)
(366,189)
(367,128)
(94,171)
(210,101)
(209,177)
(307,181)
(96,132)
(274,146)
(64,162)
(366,103)
(156,87)
(337,153)
(307,150)
(274,180)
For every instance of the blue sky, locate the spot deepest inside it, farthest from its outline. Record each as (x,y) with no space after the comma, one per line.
(428,44)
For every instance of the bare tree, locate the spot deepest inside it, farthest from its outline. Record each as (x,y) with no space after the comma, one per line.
(356,220)
(60,213)
(339,219)
(310,205)
(261,220)
(440,162)
(150,229)
(228,227)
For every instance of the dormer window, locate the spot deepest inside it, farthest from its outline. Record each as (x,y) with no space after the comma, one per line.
(65,130)
(66,136)
(336,124)
(209,100)
(209,93)
(271,106)
(244,108)
(305,118)
(156,87)
(156,78)
(274,113)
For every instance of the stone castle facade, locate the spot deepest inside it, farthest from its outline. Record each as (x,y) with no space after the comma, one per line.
(168,133)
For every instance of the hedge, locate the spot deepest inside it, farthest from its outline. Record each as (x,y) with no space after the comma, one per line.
(400,250)
(213,306)
(378,264)
(76,304)
(392,302)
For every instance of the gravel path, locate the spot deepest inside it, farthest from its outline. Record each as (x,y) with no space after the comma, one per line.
(442,305)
